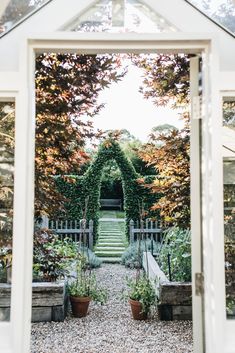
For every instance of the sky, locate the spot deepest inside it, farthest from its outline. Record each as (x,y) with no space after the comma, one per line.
(126,108)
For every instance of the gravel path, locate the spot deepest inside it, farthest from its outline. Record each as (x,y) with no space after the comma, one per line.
(110,328)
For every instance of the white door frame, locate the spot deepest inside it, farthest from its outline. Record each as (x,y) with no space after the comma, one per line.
(24,170)
(227,89)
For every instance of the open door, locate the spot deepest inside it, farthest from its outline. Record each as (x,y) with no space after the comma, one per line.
(228,160)
(195,197)
(7,255)
(15,309)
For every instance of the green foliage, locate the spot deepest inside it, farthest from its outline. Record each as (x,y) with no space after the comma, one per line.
(93,261)
(141,289)
(170,155)
(5,257)
(83,193)
(52,256)
(131,257)
(111,182)
(177,243)
(85,283)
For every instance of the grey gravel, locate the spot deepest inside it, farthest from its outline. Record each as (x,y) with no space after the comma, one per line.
(110,328)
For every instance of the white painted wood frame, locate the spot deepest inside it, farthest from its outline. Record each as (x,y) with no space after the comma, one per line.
(227,86)
(211,170)
(195,204)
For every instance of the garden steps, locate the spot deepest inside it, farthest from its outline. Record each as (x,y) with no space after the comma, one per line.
(111,241)
(103,253)
(110,248)
(111,244)
(111,260)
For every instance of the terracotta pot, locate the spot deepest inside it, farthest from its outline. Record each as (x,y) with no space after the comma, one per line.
(80,305)
(136,308)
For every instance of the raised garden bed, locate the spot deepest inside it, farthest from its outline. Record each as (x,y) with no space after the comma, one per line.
(49,301)
(175,298)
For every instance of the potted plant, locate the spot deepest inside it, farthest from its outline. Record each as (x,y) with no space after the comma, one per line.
(6,261)
(141,296)
(84,288)
(52,257)
(141,293)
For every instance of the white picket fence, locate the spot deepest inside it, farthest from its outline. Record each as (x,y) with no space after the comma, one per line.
(79,231)
(147,229)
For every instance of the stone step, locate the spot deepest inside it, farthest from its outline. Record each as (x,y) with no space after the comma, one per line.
(109,253)
(111,241)
(111,236)
(109,248)
(110,231)
(111,260)
(111,244)
(108,241)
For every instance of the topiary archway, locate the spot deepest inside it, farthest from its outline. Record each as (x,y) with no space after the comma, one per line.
(83,192)
(91,183)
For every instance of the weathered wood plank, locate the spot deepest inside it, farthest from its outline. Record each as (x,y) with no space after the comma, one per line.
(174,312)
(43,294)
(156,275)
(176,293)
(49,302)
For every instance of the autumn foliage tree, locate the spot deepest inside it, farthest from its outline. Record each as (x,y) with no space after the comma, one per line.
(166,82)
(67,89)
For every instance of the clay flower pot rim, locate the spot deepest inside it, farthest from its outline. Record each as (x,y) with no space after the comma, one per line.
(82,299)
(134,301)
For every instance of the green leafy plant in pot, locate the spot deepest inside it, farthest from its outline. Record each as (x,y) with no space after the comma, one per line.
(140,291)
(84,288)
(141,296)
(6,261)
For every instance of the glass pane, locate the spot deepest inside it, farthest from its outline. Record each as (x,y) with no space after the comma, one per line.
(229,201)
(7,121)
(120,16)
(17,11)
(221,11)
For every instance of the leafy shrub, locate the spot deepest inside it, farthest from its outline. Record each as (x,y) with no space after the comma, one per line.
(92,260)
(84,283)
(177,243)
(130,258)
(83,192)
(141,289)
(52,256)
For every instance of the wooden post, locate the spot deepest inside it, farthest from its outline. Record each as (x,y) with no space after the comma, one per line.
(45,222)
(90,239)
(131,231)
(142,229)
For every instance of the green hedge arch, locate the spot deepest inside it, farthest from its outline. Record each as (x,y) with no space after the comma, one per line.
(132,191)
(84,192)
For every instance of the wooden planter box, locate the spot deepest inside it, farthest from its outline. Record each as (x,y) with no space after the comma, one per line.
(49,301)
(175,298)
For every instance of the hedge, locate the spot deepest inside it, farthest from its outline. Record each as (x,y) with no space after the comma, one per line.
(84,191)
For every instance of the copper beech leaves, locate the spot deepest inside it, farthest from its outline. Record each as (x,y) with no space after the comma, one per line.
(171,161)
(166,82)
(67,89)
(165,79)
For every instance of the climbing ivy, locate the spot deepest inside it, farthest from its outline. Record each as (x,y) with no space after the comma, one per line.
(83,192)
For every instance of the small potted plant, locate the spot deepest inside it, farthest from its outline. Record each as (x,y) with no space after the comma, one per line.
(52,257)
(84,288)
(141,296)
(6,261)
